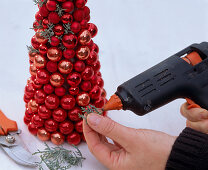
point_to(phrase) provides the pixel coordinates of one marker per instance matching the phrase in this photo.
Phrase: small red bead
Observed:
(66, 127)
(74, 138)
(37, 121)
(48, 88)
(42, 76)
(79, 66)
(54, 41)
(51, 125)
(95, 93)
(74, 79)
(44, 112)
(60, 91)
(93, 29)
(69, 53)
(78, 126)
(74, 91)
(68, 6)
(76, 27)
(52, 101)
(86, 86)
(68, 102)
(58, 30)
(67, 18)
(88, 73)
(32, 128)
(74, 114)
(51, 66)
(69, 41)
(40, 96)
(59, 115)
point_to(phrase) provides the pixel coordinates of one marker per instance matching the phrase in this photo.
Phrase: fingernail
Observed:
(94, 119)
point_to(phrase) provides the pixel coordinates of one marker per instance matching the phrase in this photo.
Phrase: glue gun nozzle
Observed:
(114, 103)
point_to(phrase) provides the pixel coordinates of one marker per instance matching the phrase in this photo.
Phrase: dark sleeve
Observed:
(189, 152)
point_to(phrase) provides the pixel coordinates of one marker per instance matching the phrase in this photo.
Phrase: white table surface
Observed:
(133, 36)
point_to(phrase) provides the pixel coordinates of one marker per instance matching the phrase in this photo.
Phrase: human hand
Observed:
(132, 149)
(197, 118)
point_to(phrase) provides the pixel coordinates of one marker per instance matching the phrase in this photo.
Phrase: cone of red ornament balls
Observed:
(65, 71)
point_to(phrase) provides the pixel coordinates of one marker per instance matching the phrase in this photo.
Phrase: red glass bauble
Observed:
(103, 93)
(74, 79)
(99, 103)
(92, 59)
(43, 135)
(65, 66)
(40, 96)
(80, 3)
(33, 106)
(67, 18)
(40, 61)
(69, 53)
(48, 88)
(32, 128)
(51, 5)
(58, 30)
(90, 44)
(37, 121)
(43, 49)
(45, 23)
(40, 39)
(57, 138)
(79, 66)
(61, 0)
(44, 112)
(69, 41)
(84, 37)
(83, 99)
(83, 24)
(99, 74)
(92, 28)
(68, 6)
(74, 114)
(43, 11)
(54, 54)
(83, 53)
(74, 138)
(88, 73)
(95, 48)
(68, 102)
(27, 98)
(96, 66)
(29, 90)
(95, 93)
(60, 91)
(28, 113)
(51, 125)
(33, 70)
(73, 90)
(78, 126)
(86, 86)
(57, 80)
(35, 43)
(53, 18)
(100, 82)
(42, 76)
(52, 101)
(35, 25)
(86, 11)
(32, 56)
(66, 127)
(78, 15)
(38, 16)
(26, 120)
(59, 115)
(55, 41)
(94, 79)
(52, 66)
(87, 18)
(37, 84)
(75, 27)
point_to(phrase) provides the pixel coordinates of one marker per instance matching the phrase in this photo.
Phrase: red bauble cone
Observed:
(65, 72)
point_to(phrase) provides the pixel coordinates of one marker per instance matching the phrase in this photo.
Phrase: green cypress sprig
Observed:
(90, 109)
(67, 28)
(58, 158)
(59, 10)
(32, 50)
(39, 2)
(48, 33)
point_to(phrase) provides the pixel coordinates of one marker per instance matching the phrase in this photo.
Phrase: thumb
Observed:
(109, 128)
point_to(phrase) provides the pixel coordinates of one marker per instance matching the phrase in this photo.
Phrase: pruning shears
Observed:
(12, 144)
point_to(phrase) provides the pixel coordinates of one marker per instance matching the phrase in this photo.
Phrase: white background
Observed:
(133, 36)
